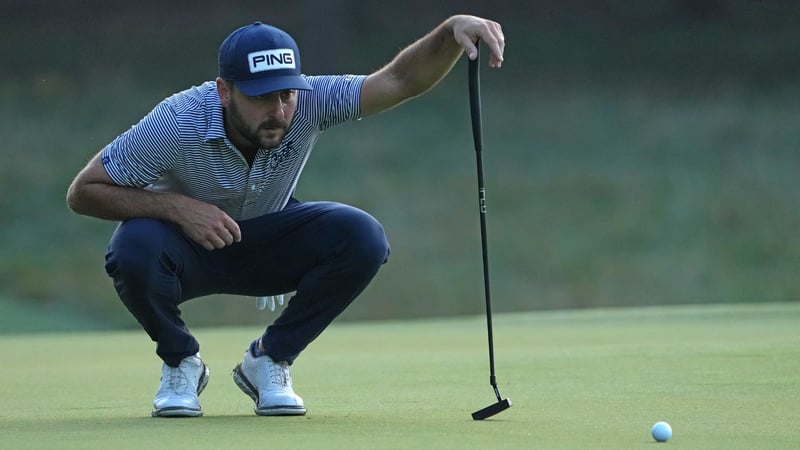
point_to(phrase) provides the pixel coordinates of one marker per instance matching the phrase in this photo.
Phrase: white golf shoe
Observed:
(180, 387)
(269, 384)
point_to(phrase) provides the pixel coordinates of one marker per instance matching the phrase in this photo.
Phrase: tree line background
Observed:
(637, 153)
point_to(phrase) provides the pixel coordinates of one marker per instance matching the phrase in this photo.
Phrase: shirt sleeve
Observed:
(144, 153)
(335, 98)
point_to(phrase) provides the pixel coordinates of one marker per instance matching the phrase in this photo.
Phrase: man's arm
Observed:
(424, 63)
(94, 193)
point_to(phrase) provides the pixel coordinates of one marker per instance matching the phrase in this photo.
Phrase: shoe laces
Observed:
(177, 379)
(280, 374)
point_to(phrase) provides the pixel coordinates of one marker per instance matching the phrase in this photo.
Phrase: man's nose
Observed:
(276, 109)
(275, 106)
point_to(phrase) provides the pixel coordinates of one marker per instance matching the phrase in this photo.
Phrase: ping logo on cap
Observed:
(264, 60)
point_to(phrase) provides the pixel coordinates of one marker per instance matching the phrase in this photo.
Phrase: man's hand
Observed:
(207, 225)
(467, 30)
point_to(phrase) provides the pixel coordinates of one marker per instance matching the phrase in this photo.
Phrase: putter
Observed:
(477, 135)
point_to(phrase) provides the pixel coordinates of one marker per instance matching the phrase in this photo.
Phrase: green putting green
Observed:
(724, 376)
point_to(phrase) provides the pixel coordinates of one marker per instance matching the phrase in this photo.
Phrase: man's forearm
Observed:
(202, 222)
(424, 63)
(111, 202)
(421, 65)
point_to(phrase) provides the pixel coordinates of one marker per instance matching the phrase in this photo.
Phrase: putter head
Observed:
(492, 409)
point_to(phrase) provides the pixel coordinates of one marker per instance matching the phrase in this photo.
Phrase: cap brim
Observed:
(261, 86)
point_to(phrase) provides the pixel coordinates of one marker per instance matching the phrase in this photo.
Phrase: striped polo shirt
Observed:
(181, 146)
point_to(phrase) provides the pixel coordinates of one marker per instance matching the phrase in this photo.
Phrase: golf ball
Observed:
(661, 431)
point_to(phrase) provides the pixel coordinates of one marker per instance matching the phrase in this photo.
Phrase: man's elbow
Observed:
(77, 198)
(73, 199)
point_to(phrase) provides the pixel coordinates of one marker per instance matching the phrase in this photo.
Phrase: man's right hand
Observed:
(207, 225)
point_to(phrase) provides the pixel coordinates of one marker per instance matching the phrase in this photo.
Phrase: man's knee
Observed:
(365, 236)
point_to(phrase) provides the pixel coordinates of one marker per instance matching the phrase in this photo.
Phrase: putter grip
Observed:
(475, 99)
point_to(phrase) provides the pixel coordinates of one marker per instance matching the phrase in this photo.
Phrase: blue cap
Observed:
(260, 59)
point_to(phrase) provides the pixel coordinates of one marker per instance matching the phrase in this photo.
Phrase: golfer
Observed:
(203, 189)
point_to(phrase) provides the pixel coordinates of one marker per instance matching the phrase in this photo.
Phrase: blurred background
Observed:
(636, 153)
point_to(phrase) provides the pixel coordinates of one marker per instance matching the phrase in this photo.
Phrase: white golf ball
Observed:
(661, 431)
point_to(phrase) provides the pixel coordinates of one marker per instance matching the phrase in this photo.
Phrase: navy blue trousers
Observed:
(326, 252)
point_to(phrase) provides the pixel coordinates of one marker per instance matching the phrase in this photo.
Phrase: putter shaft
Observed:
(477, 134)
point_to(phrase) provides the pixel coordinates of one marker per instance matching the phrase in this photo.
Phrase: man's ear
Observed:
(224, 91)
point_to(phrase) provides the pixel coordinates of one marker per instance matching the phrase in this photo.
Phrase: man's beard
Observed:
(251, 135)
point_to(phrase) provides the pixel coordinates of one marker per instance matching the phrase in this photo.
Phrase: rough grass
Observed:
(633, 156)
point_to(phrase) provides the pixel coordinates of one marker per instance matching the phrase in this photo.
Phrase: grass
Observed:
(724, 376)
(658, 200)
(16, 317)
